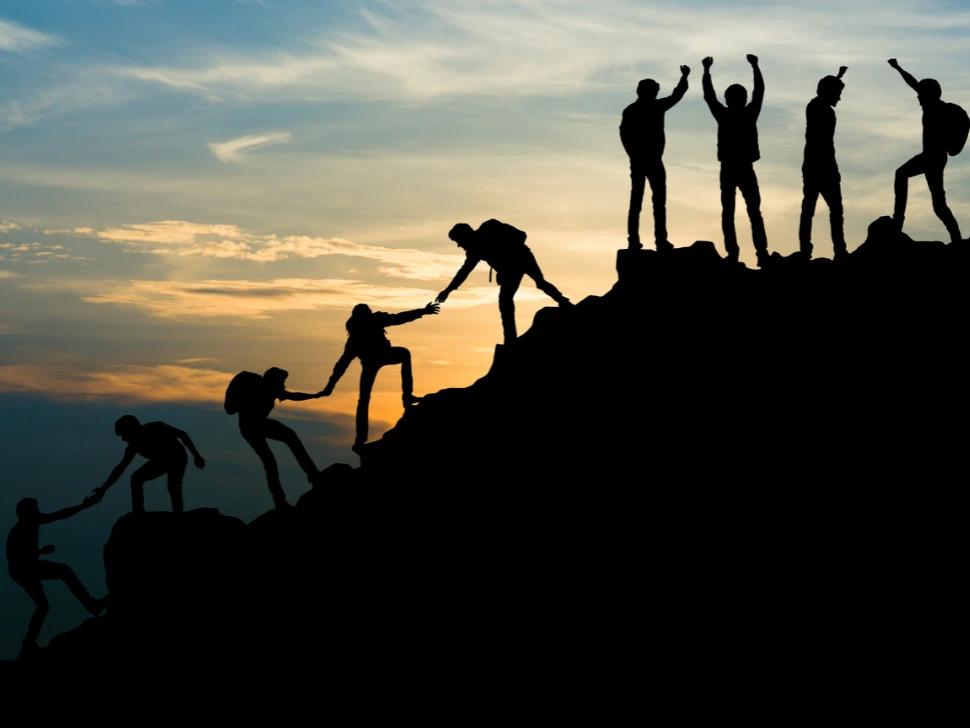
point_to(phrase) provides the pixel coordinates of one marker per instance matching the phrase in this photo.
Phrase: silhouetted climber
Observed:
(159, 444)
(503, 248)
(253, 397)
(945, 128)
(737, 151)
(642, 134)
(820, 172)
(29, 570)
(368, 341)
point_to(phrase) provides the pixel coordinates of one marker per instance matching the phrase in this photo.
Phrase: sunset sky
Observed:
(190, 188)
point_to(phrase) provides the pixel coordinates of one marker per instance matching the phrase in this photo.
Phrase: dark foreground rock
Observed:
(705, 463)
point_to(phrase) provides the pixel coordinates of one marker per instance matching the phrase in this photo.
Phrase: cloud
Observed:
(263, 299)
(232, 151)
(18, 39)
(6, 227)
(35, 253)
(196, 360)
(177, 237)
(71, 231)
(8, 273)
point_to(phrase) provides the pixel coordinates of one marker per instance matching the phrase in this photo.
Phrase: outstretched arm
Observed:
(61, 515)
(338, 370)
(467, 267)
(758, 95)
(299, 396)
(116, 473)
(908, 78)
(709, 96)
(199, 461)
(396, 319)
(679, 91)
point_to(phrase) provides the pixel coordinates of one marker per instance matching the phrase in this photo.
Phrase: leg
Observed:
(508, 285)
(368, 373)
(912, 168)
(275, 430)
(748, 183)
(254, 435)
(176, 474)
(400, 355)
(637, 184)
(934, 178)
(35, 591)
(63, 572)
(831, 191)
(810, 192)
(149, 471)
(728, 185)
(531, 269)
(657, 174)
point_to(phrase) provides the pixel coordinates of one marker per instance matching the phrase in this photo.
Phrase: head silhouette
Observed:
(275, 377)
(830, 89)
(358, 318)
(929, 91)
(27, 509)
(462, 234)
(126, 426)
(648, 89)
(736, 96)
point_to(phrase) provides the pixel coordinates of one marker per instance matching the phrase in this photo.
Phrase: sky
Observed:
(191, 188)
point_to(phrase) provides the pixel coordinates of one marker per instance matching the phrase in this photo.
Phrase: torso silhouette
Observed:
(642, 128)
(259, 402)
(935, 128)
(498, 244)
(819, 134)
(22, 547)
(737, 134)
(369, 338)
(156, 441)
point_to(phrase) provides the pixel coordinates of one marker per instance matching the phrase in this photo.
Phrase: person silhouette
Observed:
(643, 138)
(368, 341)
(737, 151)
(933, 158)
(820, 172)
(28, 570)
(503, 248)
(253, 401)
(159, 444)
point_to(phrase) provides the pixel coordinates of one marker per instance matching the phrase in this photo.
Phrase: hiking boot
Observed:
(99, 606)
(566, 303)
(27, 649)
(763, 260)
(664, 245)
(357, 447)
(634, 243)
(410, 399)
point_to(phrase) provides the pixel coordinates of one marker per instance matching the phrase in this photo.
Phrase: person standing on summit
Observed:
(820, 172)
(942, 122)
(642, 134)
(503, 248)
(737, 151)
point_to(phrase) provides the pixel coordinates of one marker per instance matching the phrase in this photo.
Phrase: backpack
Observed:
(243, 388)
(957, 129)
(504, 243)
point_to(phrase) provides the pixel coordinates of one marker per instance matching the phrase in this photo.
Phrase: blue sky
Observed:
(189, 189)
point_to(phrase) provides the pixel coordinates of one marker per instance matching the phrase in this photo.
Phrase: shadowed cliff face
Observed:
(703, 454)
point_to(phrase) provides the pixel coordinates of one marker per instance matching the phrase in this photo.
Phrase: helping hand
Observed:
(685, 70)
(325, 392)
(752, 59)
(431, 308)
(199, 462)
(44, 550)
(442, 297)
(707, 62)
(97, 494)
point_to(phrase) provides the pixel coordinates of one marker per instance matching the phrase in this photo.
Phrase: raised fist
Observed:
(685, 70)
(752, 59)
(894, 63)
(707, 62)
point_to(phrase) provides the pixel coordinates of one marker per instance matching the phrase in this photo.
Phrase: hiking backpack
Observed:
(505, 242)
(243, 388)
(957, 129)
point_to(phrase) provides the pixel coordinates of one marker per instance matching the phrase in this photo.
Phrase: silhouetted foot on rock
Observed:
(566, 303)
(764, 260)
(635, 244)
(27, 649)
(283, 505)
(99, 606)
(410, 399)
(664, 245)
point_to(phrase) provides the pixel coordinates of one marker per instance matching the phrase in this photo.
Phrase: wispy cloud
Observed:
(35, 253)
(70, 231)
(6, 227)
(263, 299)
(8, 274)
(233, 150)
(18, 39)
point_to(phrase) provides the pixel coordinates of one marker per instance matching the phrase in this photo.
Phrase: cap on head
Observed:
(830, 86)
(275, 374)
(648, 89)
(736, 96)
(27, 508)
(929, 90)
(126, 424)
(461, 232)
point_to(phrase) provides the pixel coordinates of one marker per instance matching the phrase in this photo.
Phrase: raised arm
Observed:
(908, 78)
(758, 95)
(467, 267)
(396, 319)
(679, 90)
(339, 368)
(116, 473)
(183, 436)
(709, 96)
